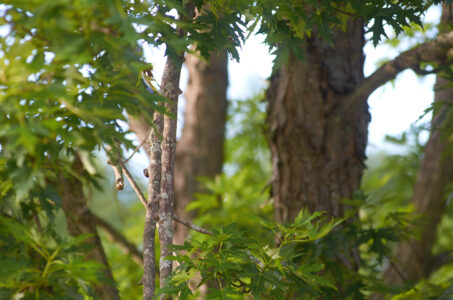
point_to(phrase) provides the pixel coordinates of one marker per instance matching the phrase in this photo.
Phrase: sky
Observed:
(393, 107)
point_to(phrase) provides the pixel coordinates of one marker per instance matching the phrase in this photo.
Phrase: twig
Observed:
(397, 271)
(191, 226)
(138, 147)
(116, 236)
(345, 12)
(134, 184)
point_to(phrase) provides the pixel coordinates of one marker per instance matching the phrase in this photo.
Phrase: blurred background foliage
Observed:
(66, 68)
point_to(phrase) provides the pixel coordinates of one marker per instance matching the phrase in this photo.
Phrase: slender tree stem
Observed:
(154, 173)
(161, 176)
(170, 89)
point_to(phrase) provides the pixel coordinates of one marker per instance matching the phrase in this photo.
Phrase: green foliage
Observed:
(122, 211)
(69, 74)
(286, 24)
(38, 264)
(390, 184)
(380, 216)
(239, 265)
(241, 190)
(69, 70)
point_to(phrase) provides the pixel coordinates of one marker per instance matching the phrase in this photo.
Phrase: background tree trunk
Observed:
(80, 221)
(199, 152)
(414, 259)
(317, 138)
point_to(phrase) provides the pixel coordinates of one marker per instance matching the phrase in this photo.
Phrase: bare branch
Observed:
(134, 184)
(435, 50)
(116, 236)
(138, 147)
(400, 274)
(191, 226)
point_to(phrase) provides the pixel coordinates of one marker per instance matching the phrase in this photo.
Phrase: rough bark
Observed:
(152, 206)
(414, 259)
(317, 139)
(170, 89)
(80, 221)
(199, 152)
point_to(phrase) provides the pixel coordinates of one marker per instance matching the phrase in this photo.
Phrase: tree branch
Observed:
(397, 270)
(170, 90)
(134, 184)
(138, 147)
(191, 226)
(433, 51)
(116, 236)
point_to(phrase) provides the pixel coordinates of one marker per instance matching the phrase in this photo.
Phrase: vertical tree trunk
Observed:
(199, 152)
(414, 259)
(170, 89)
(317, 138)
(80, 221)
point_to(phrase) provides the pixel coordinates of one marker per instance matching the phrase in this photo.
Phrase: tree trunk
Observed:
(317, 138)
(80, 221)
(414, 259)
(199, 152)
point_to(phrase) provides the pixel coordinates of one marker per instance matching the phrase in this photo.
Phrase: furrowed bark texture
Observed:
(80, 221)
(154, 183)
(414, 258)
(317, 140)
(199, 151)
(170, 89)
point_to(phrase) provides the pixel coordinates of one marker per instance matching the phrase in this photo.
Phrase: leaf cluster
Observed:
(237, 265)
(38, 264)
